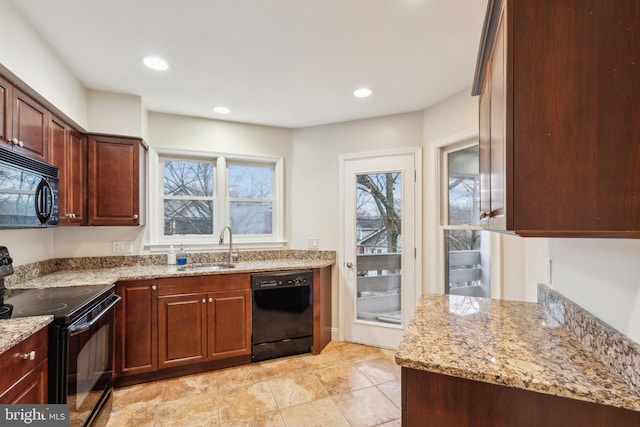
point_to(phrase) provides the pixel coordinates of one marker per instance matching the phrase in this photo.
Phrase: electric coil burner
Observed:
(80, 341)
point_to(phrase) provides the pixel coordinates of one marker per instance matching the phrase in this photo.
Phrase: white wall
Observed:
(115, 113)
(314, 175)
(27, 56)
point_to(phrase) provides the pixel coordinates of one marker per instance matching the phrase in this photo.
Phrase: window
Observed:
(466, 245)
(198, 194)
(251, 199)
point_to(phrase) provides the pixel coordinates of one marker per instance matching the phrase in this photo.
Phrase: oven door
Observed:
(89, 378)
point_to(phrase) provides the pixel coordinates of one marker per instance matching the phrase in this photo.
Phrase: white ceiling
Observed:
(289, 63)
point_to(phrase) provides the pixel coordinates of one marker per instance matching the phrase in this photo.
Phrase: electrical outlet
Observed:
(122, 247)
(313, 243)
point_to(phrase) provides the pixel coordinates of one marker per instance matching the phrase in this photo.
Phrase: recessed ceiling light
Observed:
(221, 110)
(363, 92)
(155, 63)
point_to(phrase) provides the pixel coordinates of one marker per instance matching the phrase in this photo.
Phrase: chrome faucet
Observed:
(231, 254)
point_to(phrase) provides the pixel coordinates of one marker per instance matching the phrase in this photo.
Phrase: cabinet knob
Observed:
(485, 214)
(204, 300)
(20, 143)
(210, 299)
(135, 217)
(14, 141)
(154, 287)
(28, 356)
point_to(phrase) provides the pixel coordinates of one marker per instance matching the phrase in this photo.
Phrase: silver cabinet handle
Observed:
(135, 217)
(349, 264)
(154, 287)
(204, 300)
(28, 356)
(20, 143)
(210, 299)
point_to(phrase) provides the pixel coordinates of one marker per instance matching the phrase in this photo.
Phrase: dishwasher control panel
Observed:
(278, 279)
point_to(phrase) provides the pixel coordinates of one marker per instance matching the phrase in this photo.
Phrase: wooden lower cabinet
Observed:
(204, 326)
(431, 399)
(137, 327)
(174, 326)
(25, 378)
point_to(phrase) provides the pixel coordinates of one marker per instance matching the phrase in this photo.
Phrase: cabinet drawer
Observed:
(15, 366)
(213, 283)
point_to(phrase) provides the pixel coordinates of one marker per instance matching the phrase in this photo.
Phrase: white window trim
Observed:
(154, 236)
(434, 251)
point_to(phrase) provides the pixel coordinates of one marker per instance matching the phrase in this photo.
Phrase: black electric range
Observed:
(66, 304)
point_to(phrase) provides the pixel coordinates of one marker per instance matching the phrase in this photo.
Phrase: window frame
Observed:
(443, 222)
(155, 239)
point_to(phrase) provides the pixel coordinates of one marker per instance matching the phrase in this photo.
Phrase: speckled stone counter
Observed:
(104, 276)
(13, 331)
(510, 343)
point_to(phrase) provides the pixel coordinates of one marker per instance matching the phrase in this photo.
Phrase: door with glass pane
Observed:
(379, 268)
(466, 245)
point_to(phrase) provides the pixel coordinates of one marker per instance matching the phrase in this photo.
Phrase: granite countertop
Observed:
(510, 343)
(105, 276)
(13, 331)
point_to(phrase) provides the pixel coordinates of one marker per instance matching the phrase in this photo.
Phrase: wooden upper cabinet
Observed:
(30, 126)
(68, 152)
(114, 180)
(559, 108)
(6, 97)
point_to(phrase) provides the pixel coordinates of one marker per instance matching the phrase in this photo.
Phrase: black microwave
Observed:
(28, 191)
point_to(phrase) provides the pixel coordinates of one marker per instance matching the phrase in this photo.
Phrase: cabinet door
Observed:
(114, 181)
(484, 152)
(6, 96)
(58, 135)
(182, 329)
(229, 324)
(137, 327)
(76, 178)
(30, 389)
(30, 124)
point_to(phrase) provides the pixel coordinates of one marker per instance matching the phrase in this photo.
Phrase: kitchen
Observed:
(598, 274)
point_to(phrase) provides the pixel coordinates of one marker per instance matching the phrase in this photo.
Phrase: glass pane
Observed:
(188, 217)
(463, 196)
(184, 178)
(467, 264)
(251, 217)
(379, 247)
(250, 182)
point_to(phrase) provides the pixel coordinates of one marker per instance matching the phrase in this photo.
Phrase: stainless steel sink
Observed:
(206, 267)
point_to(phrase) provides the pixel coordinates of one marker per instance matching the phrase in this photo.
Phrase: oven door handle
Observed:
(85, 326)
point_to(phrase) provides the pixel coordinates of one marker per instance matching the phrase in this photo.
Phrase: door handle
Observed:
(349, 264)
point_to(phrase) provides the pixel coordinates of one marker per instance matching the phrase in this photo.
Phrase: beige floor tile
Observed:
(393, 391)
(191, 385)
(239, 376)
(381, 370)
(140, 416)
(389, 353)
(357, 352)
(194, 411)
(394, 423)
(137, 395)
(245, 401)
(326, 359)
(319, 413)
(295, 389)
(285, 366)
(342, 379)
(267, 419)
(367, 407)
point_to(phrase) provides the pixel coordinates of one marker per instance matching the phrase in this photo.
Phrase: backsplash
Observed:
(613, 348)
(40, 268)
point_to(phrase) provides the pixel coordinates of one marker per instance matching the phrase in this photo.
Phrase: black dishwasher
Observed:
(282, 317)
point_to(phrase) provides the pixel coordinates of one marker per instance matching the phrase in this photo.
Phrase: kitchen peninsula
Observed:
(484, 362)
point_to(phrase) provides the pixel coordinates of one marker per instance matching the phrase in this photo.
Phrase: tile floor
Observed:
(346, 385)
